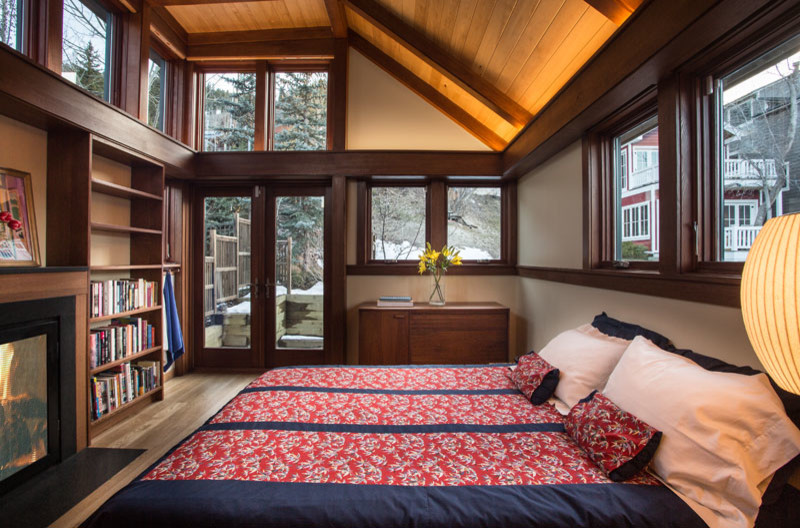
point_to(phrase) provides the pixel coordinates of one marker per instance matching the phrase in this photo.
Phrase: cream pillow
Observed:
(585, 356)
(724, 434)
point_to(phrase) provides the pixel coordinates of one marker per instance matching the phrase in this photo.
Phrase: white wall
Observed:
(550, 227)
(28, 153)
(384, 114)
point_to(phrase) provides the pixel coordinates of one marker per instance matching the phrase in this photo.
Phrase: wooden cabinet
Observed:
(456, 333)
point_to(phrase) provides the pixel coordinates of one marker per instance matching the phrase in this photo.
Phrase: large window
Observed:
(301, 111)
(86, 46)
(12, 23)
(759, 151)
(636, 192)
(229, 110)
(156, 90)
(474, 220)
(398, 222)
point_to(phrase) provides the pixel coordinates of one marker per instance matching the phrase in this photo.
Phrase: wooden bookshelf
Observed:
(135, 252)
(131, 357)
(129, 313)
(123, 411)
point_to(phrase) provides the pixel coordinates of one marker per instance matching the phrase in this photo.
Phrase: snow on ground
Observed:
(300, 338)
(317, 289)
(244, 307)
(241, 308)
(393, 250)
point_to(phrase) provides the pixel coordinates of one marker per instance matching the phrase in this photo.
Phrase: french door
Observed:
(265, 272)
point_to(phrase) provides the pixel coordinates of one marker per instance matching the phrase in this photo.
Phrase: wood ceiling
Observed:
(490, 65)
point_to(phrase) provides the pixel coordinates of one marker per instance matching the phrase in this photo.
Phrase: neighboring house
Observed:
(743, 174)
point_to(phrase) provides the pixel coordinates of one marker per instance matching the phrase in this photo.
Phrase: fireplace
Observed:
(37, 387)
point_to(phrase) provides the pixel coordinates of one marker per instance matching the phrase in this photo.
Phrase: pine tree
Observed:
(301, 217)
(238, 106)
(301, 111)
(88, 70)
(154, 94)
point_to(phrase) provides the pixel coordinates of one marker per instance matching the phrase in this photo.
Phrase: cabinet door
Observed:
(383, 337)
(458, 338)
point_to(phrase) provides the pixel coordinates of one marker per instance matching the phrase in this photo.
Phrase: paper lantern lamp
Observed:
(770, 300)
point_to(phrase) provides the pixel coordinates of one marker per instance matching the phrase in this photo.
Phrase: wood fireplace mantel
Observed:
(43, 283)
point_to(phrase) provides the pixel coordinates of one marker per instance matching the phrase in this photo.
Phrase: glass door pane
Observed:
(226, 272)
(299, 267)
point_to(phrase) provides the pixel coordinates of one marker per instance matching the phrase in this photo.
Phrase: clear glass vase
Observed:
(437, 289)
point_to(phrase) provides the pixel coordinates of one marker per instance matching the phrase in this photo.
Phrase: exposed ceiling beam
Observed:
(428, 92)
(260, 35)
(338, 18)
(616, 11)
(439, 59)
(168, 31)
(275, 50)
(198, 2)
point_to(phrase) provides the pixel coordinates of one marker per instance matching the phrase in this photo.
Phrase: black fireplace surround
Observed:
(54, 317)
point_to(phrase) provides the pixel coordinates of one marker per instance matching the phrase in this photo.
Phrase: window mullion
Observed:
(437, 214)
(260, 142)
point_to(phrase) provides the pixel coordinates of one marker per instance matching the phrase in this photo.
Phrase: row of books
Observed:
(122, 384)
(123, 337)
(395, 301)
(122, 295)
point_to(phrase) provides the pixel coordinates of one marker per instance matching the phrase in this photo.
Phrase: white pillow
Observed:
(724, 434)
(585, 356)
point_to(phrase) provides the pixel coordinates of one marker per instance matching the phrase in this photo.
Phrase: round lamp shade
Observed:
(770, 300)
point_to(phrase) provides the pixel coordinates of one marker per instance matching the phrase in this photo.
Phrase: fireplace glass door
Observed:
(28, 399)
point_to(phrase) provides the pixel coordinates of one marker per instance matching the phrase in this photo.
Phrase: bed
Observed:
(432, 446)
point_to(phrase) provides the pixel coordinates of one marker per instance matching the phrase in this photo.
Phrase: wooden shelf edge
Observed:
(121, 191)
(124, 229)
(107, 419)
(137, 355)
(124, 314)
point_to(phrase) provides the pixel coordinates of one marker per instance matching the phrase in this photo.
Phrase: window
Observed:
(12, 23)
(758, 147)
(636, 193)
(398, 222)
(229, 109)
(156, 90)
(474, 222)
(86, 46)
(301, 111)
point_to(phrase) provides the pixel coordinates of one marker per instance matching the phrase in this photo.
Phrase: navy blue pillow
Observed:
(628, 331)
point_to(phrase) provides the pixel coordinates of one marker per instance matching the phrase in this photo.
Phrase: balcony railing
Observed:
(749, 173)
(740, 238)
(643, 177)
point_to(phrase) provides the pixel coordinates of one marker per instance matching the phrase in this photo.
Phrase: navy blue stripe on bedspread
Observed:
(201, 504)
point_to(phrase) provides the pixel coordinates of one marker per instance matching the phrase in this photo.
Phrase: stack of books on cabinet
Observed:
(125, 323)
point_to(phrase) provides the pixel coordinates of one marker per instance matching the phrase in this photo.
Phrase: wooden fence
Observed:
(227, 270)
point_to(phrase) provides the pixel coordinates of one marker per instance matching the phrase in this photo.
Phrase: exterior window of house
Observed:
(474, 220)
(636, 192)
(156, 88)
(87, 46)
(12, 23)
(229, 108)
(301, 111)
(759, 147)
(398, 222)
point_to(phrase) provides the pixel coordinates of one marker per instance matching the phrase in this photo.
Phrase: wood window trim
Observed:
(265, 71)
(436, 230)
(598, 188)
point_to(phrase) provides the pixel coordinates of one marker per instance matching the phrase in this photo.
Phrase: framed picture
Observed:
(19, 245)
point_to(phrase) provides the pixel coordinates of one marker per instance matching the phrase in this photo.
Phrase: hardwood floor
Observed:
(191, 400)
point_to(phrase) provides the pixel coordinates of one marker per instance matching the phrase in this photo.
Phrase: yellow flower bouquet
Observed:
(437, 262)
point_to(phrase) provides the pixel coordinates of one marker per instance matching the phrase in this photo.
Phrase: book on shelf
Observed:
(119, 339)
(395, 301)
(122, 384)
(123, 295)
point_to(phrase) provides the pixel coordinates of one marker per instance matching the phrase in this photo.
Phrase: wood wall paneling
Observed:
(425, 49)
(337, 97)
(236, 16)
(352, 163)
(69, 169)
